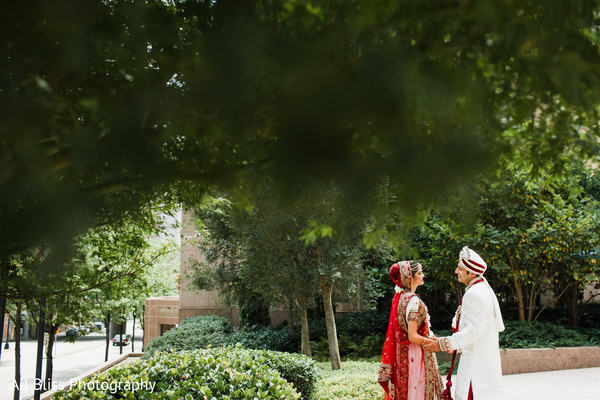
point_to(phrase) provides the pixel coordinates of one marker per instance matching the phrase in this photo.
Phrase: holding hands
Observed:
(433, 346)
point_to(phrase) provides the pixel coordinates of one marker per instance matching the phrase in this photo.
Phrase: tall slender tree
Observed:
(263, 246)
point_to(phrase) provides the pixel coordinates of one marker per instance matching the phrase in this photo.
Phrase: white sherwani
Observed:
(477, 339)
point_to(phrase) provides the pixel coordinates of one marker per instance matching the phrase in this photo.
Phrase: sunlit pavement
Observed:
(69, 360)
(568, 384)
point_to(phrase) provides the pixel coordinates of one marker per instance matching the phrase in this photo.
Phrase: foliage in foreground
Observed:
(225, 373)
(207, 331)
(356, 381)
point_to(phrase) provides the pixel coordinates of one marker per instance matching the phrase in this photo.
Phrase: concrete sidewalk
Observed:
(568, 384)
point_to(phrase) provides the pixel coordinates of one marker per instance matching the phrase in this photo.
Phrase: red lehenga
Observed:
(407, 372)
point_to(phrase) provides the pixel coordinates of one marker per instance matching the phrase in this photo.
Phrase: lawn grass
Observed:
(357, 380)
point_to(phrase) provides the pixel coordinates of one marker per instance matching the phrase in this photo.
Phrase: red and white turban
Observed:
(471, 261)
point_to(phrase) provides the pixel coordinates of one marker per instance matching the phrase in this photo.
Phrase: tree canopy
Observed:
(255, 255)
(537, 239)
(108, 105)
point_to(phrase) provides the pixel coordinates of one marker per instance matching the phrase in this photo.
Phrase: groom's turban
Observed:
(471, 261)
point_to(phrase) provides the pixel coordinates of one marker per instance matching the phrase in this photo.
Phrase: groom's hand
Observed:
(433, 346)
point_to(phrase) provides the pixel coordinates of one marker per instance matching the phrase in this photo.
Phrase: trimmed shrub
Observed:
(589, 316)
(360, 335)
(208, 330)
(527, 335)
(268, 338)
(225, 373)
(297, 369)
(211, 331)
(362, 323)
(193, 333)
(358, 347)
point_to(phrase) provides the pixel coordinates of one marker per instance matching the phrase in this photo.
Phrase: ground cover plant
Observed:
(528, 335)
(356, 381)
(230, 373)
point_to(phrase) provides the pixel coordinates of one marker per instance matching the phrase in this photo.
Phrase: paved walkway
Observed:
(568, 384)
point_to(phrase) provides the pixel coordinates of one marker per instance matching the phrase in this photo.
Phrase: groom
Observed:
(475, 326)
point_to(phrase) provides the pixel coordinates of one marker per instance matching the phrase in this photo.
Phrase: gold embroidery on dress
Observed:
(435, 385)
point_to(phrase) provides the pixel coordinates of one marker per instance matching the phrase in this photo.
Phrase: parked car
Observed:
(116, 341)
(99, 325)
(85, 329)
(78, 331)
(73, 331)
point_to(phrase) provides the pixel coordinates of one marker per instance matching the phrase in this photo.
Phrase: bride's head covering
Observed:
(402, 273)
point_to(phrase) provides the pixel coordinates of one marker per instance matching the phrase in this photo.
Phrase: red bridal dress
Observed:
(407, 372)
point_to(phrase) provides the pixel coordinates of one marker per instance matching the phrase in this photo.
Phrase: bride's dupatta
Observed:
(389, 370)
(394, 367)
(388, 378)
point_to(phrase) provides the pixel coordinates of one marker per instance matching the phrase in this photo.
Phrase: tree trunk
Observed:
(334, 350)
(133, 333)
(17, 390)
(514, 267)
(2, 309)
(143, 323)
(121, 338)
(49, 359)
(107, 329)
(304, 332)
(531, 304)
(40, 349)
(571, 302)
(291, 315)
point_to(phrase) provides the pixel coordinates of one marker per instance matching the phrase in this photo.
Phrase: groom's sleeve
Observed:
(472, 321)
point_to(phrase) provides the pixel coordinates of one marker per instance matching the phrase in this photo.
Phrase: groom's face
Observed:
(463, 275)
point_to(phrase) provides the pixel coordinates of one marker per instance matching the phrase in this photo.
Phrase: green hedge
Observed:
(225, 373)
(213, 331)
(527, 335)
(360, 324)
(210, 330)
(193, 333)
(297, 369)
(269, 338)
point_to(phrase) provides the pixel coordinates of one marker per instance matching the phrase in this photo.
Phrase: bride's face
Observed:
(418, 278)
